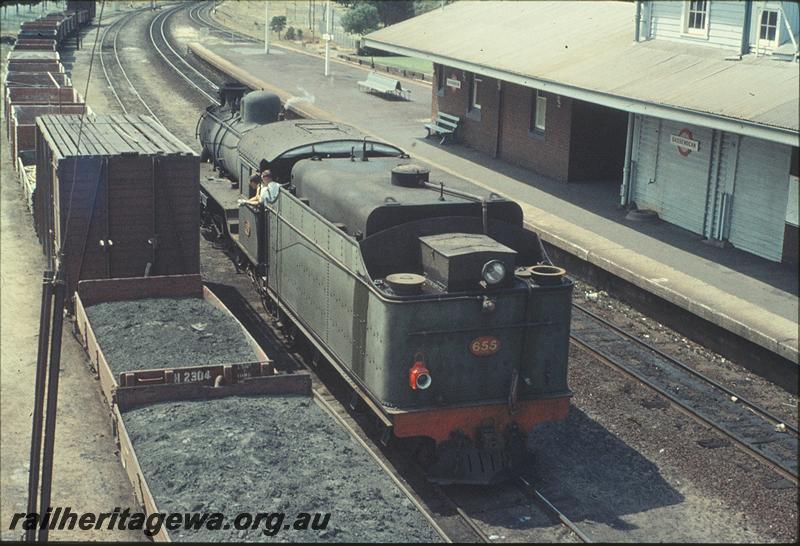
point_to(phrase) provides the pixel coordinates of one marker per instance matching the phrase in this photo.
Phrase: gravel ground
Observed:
(167, 332)
(722, 370)
(279, 454)
(628, 468)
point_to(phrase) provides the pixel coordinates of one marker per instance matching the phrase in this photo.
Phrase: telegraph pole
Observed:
(327, 36)
(266, 27)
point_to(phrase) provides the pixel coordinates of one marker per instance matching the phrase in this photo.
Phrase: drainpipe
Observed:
(624, 191)
(638, 20)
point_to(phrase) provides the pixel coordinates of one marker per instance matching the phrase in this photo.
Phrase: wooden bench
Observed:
(384, 84)
(444, 125)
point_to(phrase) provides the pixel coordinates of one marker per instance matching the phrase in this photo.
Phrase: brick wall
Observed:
(547, 154)
(476, 129)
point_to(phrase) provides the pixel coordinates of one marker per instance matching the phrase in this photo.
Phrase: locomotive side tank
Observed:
(428, 294)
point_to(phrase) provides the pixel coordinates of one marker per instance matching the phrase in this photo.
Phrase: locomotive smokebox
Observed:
(261, 107)
(410, 175)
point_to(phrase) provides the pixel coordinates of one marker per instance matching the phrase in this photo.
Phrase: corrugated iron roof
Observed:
(588, 46)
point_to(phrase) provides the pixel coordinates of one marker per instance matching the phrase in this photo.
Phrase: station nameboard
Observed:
(455, 84)
(685, 143)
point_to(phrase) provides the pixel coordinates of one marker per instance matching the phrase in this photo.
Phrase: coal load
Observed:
(269, 455)
(167, 333)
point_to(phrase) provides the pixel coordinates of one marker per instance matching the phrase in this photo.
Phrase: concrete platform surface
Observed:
(739, 292)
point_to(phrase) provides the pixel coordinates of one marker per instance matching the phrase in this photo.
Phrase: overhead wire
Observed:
(78, 143)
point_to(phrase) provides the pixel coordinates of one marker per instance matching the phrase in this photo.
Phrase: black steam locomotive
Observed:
(426, 293)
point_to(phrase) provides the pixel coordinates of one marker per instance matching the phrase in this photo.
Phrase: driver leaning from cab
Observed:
(267, 191)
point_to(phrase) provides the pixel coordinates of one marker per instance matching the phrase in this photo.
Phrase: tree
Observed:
(277, 24)
(389, 12)
(394, 11)
(424, 6)
(361, 19)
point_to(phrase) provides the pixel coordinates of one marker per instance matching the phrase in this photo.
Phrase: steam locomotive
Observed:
(426, 294)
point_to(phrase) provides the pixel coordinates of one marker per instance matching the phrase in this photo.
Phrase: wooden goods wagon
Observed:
(22, 126)
(38, 79)
(45, 28)
(37, 95)
(67, 21)
(131, 390)
(182, 380)
(89, 6)
(35, 44)
(32, 56)
(117, 196)
(24, 66)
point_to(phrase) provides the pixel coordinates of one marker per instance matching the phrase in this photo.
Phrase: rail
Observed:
(156, 32)
(750, 427)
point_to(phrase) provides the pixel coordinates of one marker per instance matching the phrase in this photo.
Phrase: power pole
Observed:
(266, 27)
(327, 36)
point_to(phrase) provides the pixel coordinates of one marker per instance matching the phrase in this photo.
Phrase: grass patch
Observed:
(406, 63)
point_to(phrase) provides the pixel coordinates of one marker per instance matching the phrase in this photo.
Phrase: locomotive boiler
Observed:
(425, 292)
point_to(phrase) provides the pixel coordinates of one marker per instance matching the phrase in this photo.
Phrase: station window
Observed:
(475, 94)
(696, 17)
(440, 79)
(538, 112)
(768, 28)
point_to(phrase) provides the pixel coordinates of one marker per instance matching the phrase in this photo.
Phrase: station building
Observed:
(688, 109)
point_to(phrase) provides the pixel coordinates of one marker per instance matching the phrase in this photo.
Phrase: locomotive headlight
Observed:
(494, 271)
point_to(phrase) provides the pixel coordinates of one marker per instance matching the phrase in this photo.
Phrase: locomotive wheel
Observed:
(291, 334)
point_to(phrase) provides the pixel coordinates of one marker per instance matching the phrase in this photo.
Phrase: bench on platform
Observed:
(444, 125)
(384, 84)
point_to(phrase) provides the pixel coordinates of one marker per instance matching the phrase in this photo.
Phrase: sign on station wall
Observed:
(685, 142)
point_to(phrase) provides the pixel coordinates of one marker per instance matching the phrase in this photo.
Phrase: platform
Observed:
(741, 293)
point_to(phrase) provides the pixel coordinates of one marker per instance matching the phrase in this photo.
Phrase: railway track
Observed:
(123, 89)
(120, 85)
(519, 495)
(200, 14)
(196, 80)
(749, 426)
(454, 510)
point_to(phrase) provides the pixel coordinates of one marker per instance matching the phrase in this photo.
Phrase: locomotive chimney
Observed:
(231, 93)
